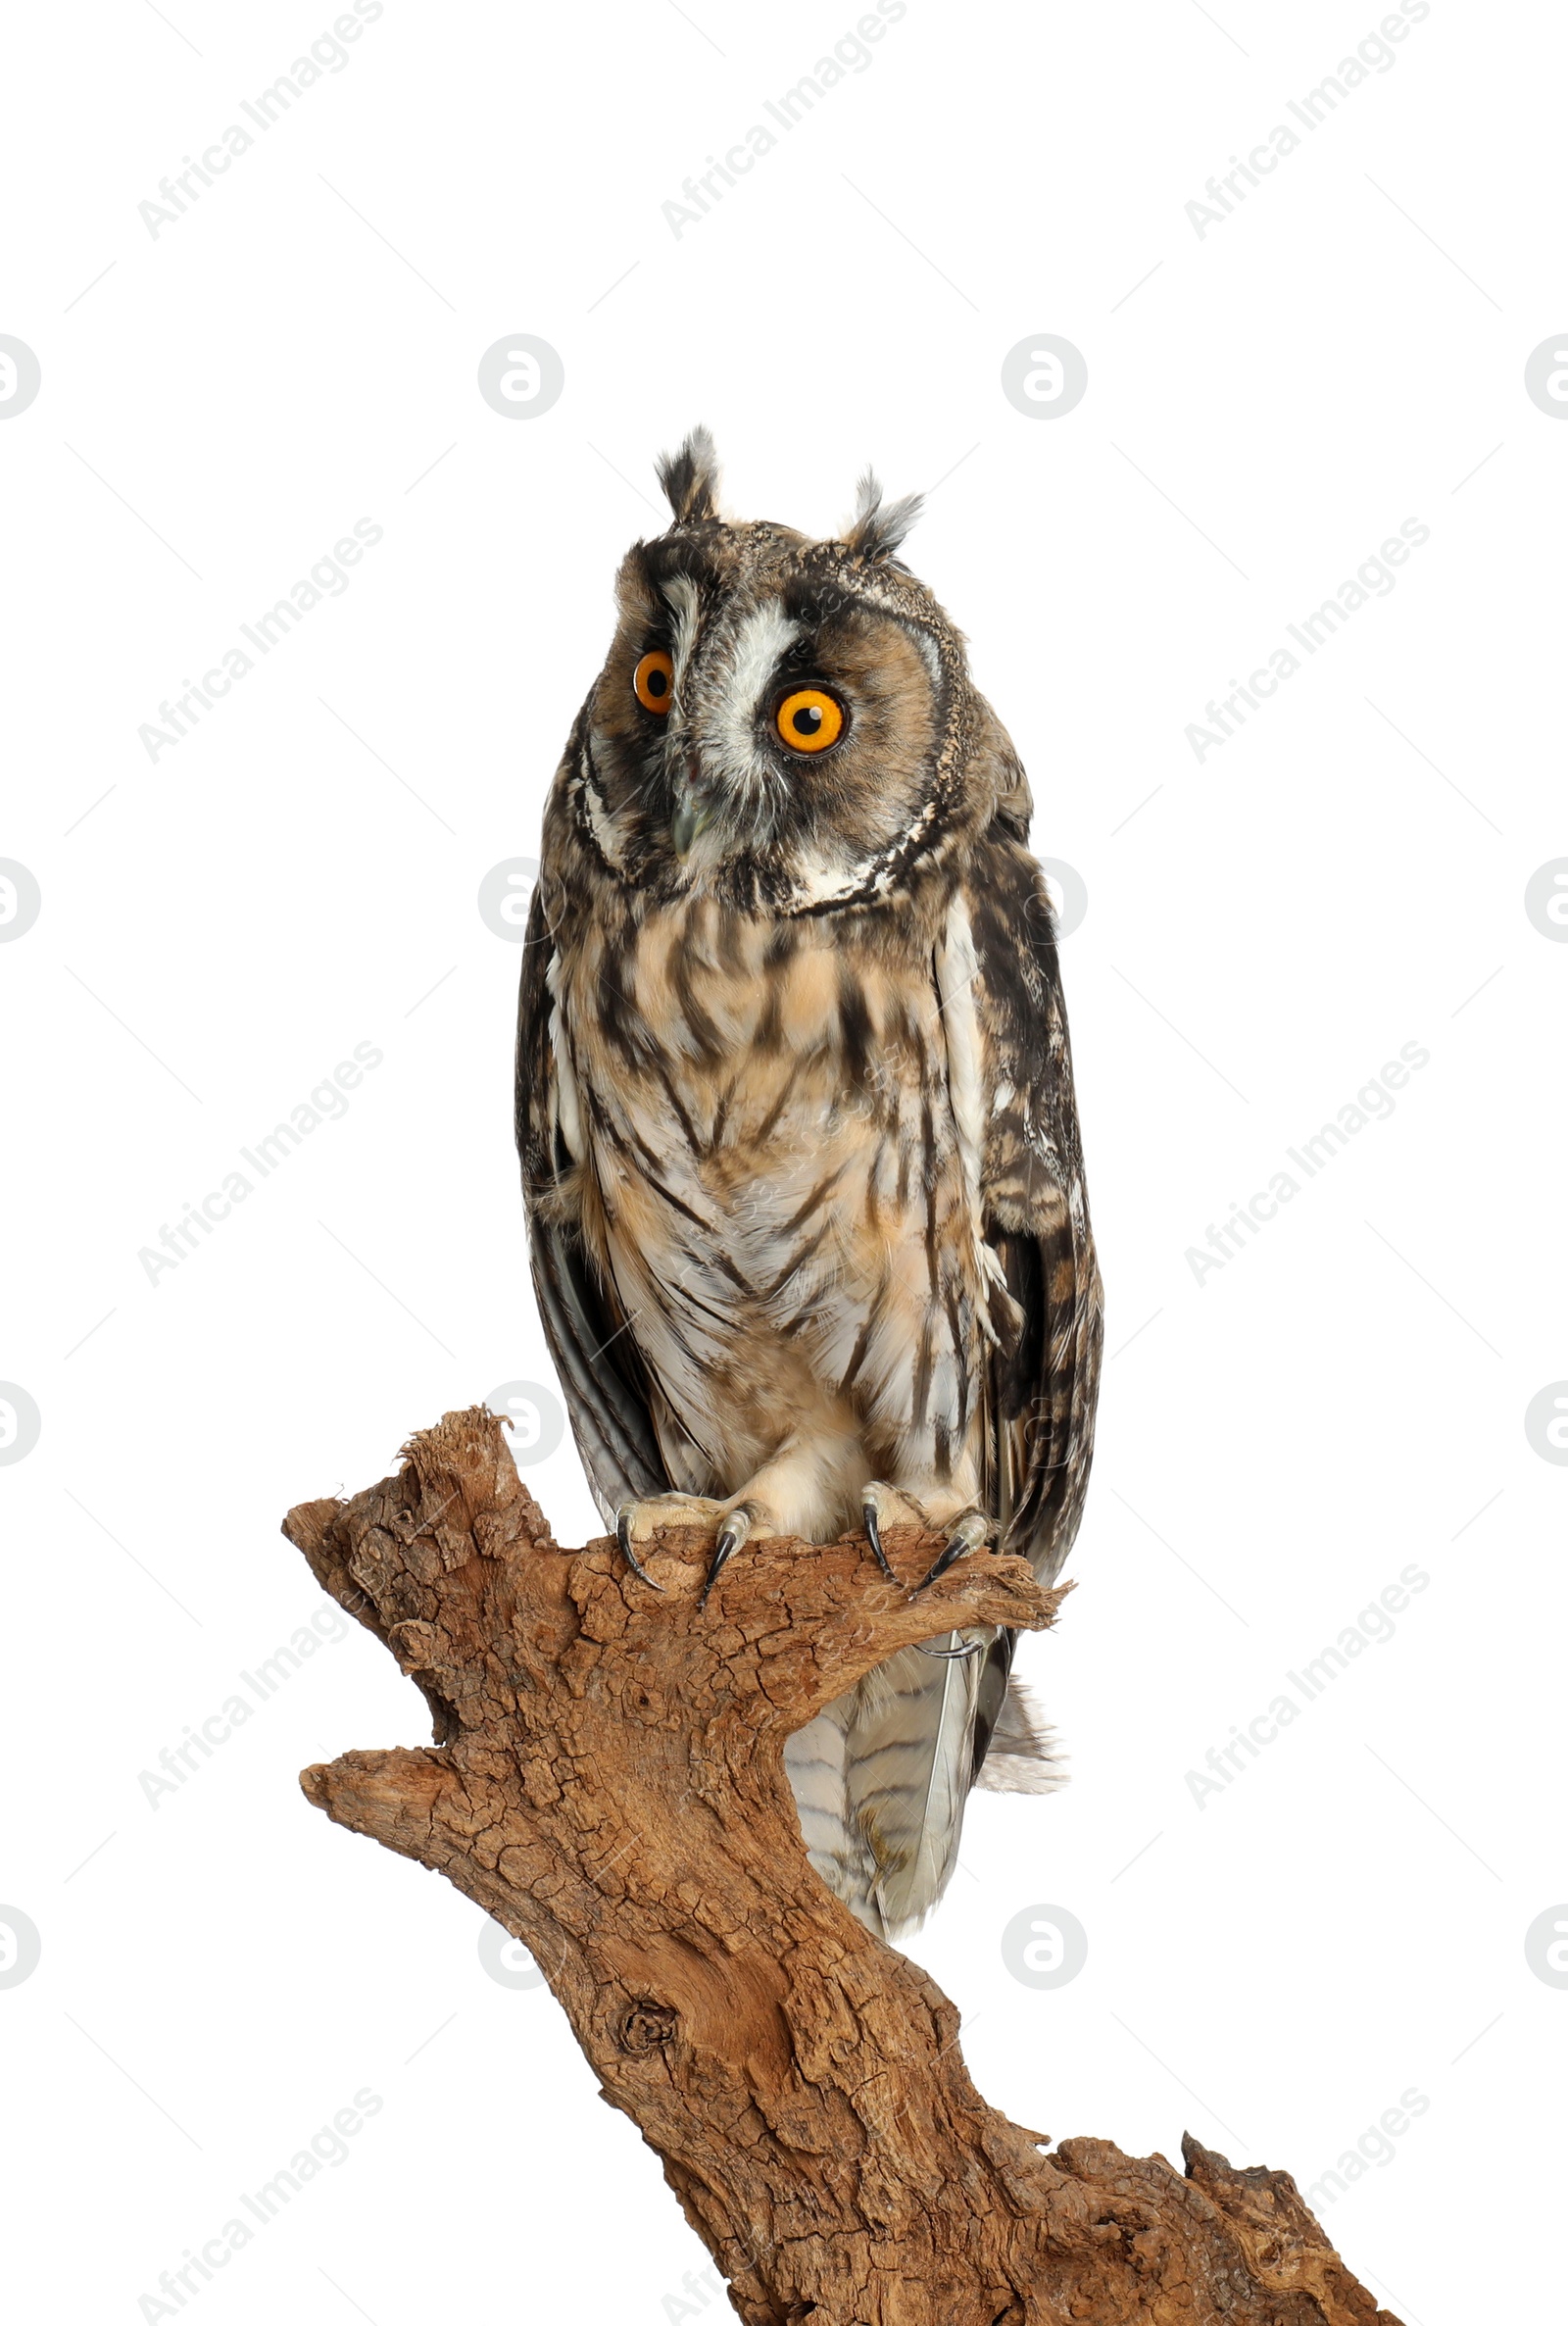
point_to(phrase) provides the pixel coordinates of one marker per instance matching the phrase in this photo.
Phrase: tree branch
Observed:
(608, 1781)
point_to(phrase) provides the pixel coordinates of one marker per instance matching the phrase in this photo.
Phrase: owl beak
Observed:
(693, 815)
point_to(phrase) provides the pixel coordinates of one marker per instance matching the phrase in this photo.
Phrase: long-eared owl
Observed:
(800, 1145)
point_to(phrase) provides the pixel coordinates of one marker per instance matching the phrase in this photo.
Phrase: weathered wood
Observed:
(608, 1781)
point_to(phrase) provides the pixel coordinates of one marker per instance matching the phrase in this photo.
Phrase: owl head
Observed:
(787, 723)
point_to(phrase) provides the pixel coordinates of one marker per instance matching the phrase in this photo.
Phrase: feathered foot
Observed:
(968, 1534)
(733, 1524)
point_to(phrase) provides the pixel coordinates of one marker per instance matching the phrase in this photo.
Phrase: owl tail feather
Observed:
(911, 1760)
(1024, 1755)
(881, 1776)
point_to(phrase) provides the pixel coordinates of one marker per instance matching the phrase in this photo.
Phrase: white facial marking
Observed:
(926, 647)
(764, 638)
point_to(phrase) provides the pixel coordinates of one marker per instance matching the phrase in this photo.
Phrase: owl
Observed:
(800, 1147)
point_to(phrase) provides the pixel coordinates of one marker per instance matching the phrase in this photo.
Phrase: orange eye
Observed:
(809, 720)
(652, 682)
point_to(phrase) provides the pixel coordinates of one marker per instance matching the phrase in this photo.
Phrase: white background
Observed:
(1267, 403)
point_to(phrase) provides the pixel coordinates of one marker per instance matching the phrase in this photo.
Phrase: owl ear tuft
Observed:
(876, 532)
(690, 478)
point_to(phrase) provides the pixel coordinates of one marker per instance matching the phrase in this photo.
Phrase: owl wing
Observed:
(597, 1359)
(921, 1731)
(1043, 1379)
(1035, 1218)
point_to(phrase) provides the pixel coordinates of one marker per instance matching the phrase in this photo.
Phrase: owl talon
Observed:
(731, 1535)
(624, 1518)
(871, 1520)
(969, 1535)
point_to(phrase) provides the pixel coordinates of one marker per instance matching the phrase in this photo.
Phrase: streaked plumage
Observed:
(794, 1106)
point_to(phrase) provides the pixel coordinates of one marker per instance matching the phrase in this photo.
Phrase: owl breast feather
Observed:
(774, 1182)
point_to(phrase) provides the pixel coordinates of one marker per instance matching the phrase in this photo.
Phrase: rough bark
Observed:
(607, 1780)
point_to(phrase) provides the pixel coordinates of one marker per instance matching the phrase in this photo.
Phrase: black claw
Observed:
(623, 1538)
(873, 1535)
(953, 1551)
(956, 1545)
(727, 1542)
(951, 1655)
